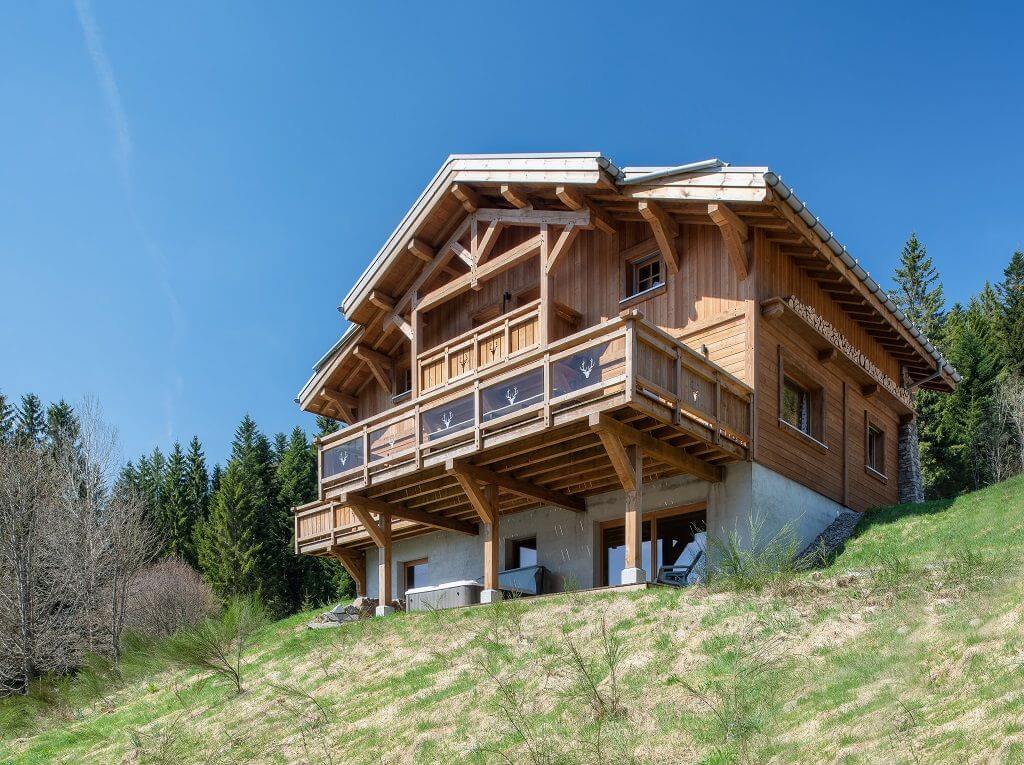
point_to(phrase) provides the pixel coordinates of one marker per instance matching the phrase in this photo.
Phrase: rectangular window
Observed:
(801, 400)
(796, 406)
(874, 448)
(403, 380)
(673, 530)
(522, 552)
(415, 574)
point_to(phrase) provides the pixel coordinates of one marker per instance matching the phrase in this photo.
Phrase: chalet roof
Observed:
(592, 169)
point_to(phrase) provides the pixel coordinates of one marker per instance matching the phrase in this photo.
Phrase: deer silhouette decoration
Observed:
(343, 458)
(586, 367)
(447, 418)
(511, 394)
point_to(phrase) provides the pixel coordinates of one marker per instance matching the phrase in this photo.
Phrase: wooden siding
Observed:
(831, 469)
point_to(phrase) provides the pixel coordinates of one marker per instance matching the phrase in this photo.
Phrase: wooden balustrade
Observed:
(625, 355)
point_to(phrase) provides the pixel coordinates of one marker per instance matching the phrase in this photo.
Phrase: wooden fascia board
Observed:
(516, 486)
(659, 450)
(858, 286)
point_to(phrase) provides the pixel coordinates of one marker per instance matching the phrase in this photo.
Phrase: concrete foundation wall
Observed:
(567, 542)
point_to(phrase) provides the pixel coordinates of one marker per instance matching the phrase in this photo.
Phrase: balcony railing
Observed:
(532, 383)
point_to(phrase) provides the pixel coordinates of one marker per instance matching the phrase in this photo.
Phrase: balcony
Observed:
(496, 395)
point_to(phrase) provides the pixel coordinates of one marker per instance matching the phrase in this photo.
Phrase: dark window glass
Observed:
(796, 406)
(674, 533)
(415, 575)
(524, 553)
(646, 274)
(876, 449)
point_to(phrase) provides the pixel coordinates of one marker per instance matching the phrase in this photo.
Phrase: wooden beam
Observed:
(516, 196)
(634, 523)
(477, 497)
(486, 241)
(382, 300)
(492, 541)
(471, 201)
(535, 217)
(400, 322)
(354, 562)
(379, 364)
(371, 504)
(665, 232)
(377, 533)
(346, 404)
(574, 200)
(496, 265)
(619, 458)
(736, 236)
(659, 450)
(421, 250)
(514, 485)
(561, 247)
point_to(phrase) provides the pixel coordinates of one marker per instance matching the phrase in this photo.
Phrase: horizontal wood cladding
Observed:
(778, 275)
(837, 470)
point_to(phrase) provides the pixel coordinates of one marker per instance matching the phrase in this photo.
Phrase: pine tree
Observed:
(61, 423)
(150, 471)
(1011, 324)
(243, 545)
(30, 421)
(965, 416)
(197, 496)
(313, 580)
(175, 523)
(325, 425)
(6, 419)
(215, 476)
(280, 447)
(918, 289)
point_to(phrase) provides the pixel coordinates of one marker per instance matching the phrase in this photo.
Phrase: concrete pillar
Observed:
(634, 572)
(384, 568)
(909, 482)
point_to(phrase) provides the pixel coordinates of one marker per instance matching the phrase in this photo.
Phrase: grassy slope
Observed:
(909, 648)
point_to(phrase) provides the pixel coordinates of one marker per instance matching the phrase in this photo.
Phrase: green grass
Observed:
(909, 648)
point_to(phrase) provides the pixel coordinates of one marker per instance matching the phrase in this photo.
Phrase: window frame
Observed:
(512, 547)
(406, 565)
(630, 278)
(697, 509)
(871, 424)
(795, 373)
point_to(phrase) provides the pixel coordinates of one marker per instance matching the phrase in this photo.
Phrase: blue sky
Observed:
(188, 189)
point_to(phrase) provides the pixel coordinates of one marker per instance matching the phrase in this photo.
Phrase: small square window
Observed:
(874, 448)
(646, 274)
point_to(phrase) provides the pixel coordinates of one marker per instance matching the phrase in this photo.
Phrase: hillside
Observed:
(908, 648)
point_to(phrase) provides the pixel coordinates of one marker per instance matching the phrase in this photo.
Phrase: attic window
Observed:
(643, 277)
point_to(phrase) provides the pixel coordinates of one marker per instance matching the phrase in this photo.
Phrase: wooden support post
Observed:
(416, 321)
(355, 564)
(384, 593)
(634, 572)
(545, 287)
(492, 590)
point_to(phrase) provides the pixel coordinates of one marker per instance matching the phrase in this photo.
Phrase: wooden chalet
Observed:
(554, 361)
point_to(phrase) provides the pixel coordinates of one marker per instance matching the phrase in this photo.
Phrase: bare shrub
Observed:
(218, 645)
(166, 596)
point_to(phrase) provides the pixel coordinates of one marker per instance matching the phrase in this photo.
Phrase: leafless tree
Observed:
(168, 595)
(996, 442)
(35, 626)
(1010, 400)
(70, 551)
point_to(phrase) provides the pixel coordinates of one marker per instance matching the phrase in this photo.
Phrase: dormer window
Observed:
(646, 274)
(643, 276)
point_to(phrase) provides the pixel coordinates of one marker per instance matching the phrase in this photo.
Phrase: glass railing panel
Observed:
(587, 367)
(343, 457)
(448, 418)
(512, 395)
(394, 438)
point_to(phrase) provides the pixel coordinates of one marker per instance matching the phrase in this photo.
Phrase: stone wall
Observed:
(911, 487)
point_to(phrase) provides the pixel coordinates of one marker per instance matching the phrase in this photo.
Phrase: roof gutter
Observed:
(704, 164)
(789, 197)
